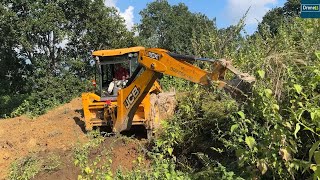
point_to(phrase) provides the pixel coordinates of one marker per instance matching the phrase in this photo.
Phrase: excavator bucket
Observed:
(240, 84)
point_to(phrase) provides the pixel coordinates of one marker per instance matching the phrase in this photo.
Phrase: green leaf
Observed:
(240, 152)
(315, 115)
(317, 157)
(298, 88)
(88, 170)
(268, 92)
(241, 114)
(276, 107)
(108, 177)
(317, 174)
(251, 142)
(313, 148)
(217, 149)
(296, 130)
(262, 166)
(76, 162)
(312, 114)
(318, 54)
(261, 73)
(170, 150)
(233, 127)
(240, 139)
(139, 159)
(313, 167)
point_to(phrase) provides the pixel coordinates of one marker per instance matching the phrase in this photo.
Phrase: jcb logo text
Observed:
(131, 97)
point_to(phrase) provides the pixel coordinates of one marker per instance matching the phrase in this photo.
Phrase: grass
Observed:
(25, 168)
(28, 167)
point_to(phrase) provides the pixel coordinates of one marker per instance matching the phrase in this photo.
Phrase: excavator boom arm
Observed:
(164, 63)
(158, 61)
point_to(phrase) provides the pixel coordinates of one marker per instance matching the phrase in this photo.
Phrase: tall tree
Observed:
(171, 27)
(292, 8)
(49, 33)
(13, 71)
(46, 46)
(272, 20)
(278, 16)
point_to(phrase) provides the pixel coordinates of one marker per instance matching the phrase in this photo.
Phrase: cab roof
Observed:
(117, 52)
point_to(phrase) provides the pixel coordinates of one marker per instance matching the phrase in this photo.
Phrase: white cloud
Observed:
(127, 15)
(110, 3)
(258, 8)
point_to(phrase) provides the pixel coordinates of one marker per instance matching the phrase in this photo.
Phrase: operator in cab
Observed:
(120, 71)
(120, 80)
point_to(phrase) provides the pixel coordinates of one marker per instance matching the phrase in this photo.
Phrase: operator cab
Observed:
(113, 70)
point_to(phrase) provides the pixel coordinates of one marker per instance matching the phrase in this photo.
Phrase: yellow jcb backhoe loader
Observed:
(127, 78)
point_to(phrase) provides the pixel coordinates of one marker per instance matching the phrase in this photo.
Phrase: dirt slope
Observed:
(56, 130)
(123, 153)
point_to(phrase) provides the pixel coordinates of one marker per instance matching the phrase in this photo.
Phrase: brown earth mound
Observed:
(57, 130)
(123, 153)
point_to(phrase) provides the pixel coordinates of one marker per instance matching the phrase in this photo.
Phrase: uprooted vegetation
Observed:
(274, 133)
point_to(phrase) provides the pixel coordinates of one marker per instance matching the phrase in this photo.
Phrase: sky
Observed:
(226, 12)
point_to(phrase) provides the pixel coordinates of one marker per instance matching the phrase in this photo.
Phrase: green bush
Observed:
(9, 103)
(275, 132)
(50, 92)
(28, 167)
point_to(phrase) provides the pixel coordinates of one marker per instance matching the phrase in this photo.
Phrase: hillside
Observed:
(53, 51)
(55, 134)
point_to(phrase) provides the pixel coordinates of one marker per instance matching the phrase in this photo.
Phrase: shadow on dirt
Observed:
(80, 111)
(138, 132)
(80, 123)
